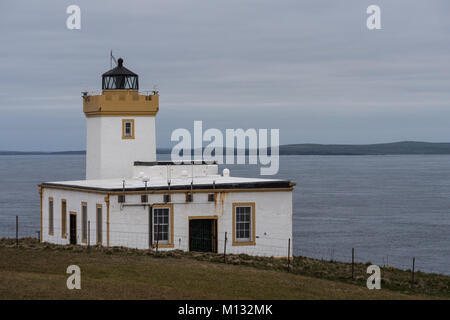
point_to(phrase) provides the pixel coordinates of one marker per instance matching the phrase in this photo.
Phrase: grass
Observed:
(38, 271)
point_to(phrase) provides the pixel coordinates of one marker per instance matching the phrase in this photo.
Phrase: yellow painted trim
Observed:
(53, 209)
(121, 114)
(124, 137)
(84, 240)
(121, 103)
(64, 219)
(41, 191)
(96, 217)
(165, 245)
(171, 244)
(202, 217)
(172, 191)
(107, 220)
(253, 231)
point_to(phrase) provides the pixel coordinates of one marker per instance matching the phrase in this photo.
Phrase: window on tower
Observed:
(128, 129)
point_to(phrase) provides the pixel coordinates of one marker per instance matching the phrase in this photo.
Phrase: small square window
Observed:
(128, 129)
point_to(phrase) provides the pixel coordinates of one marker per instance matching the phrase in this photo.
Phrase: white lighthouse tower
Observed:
(120, 126)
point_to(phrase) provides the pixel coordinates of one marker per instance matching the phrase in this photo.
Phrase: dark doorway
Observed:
(203, 235)
(73, 229)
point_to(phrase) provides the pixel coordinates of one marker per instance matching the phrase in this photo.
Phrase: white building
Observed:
(129, 199)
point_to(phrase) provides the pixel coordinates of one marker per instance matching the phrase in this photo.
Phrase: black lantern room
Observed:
(120, 78)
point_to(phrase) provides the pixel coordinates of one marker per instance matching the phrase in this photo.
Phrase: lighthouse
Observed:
(120, 125)
(129, 199)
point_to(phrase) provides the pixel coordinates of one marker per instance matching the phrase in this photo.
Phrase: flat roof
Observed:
(172, 163)
(208, 182)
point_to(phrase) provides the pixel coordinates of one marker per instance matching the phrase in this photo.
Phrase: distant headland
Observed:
(393, 148)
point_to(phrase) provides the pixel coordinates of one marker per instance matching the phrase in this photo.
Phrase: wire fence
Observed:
(136, 236)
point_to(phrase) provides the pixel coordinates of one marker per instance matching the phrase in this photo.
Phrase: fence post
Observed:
(353, 263)
(289, 254)
(412, 273)
(17, 231)
(225, 249)
(89, 234)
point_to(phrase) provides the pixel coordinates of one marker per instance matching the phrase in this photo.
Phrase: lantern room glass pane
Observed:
(120, 82)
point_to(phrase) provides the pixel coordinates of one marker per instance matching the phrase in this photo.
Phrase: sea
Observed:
(390, 209)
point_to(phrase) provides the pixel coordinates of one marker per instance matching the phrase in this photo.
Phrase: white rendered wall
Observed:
(110, 156)
(129, 225)
(73, 203)
(93, 147)
(273, 220)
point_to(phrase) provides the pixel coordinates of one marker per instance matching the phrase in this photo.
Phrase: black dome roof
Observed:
(120, 70)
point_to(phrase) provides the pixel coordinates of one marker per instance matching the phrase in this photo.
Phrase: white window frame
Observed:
(251, 240)
(155, 226)
(237, 223)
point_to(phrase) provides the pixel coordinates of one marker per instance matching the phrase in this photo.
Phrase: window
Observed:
(127, 128)
(63, 218)
(161, 223)
(50, 217)
(162, 226)
(244, 223)
(99, 224)
(84, 222)
(243, 217)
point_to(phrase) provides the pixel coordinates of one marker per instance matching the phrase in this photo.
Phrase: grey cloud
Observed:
(310, 67)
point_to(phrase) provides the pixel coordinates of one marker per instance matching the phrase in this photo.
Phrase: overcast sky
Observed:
(310, 68)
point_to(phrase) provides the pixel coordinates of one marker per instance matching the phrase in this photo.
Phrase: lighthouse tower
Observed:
(120, 125)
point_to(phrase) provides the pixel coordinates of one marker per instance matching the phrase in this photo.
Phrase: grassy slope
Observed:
(38, 272)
